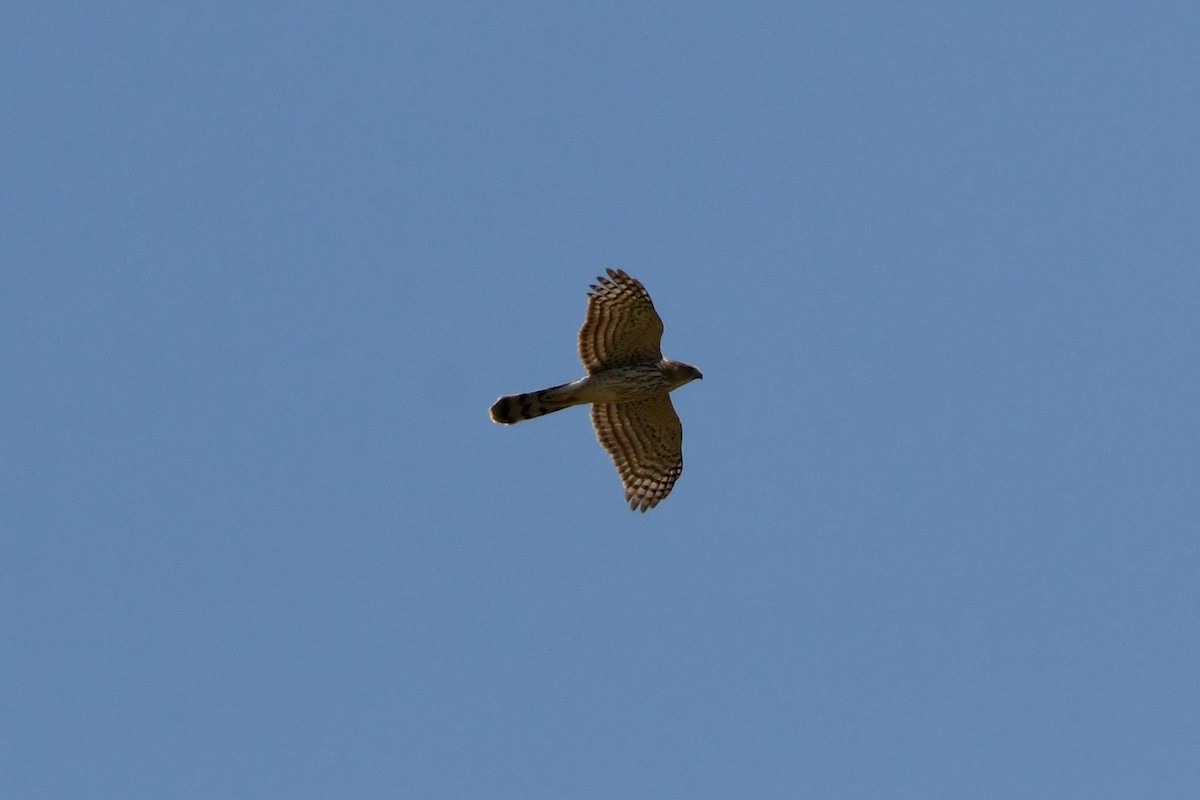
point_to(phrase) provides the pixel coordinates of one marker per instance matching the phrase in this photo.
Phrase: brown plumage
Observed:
(514, 408)
(629, 384)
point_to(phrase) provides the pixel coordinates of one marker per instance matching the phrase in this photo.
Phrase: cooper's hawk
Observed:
(628, 384)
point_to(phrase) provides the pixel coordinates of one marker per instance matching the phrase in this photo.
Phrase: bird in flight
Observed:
(628, 384)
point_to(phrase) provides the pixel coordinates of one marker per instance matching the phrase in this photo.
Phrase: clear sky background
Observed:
(264, 267)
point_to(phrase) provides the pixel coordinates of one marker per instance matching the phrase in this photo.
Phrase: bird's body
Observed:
(628, 384)
(615, 385)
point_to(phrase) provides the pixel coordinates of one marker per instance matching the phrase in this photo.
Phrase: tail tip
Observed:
(502, 411)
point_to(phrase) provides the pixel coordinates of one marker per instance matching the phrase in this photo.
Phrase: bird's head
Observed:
(678, 373)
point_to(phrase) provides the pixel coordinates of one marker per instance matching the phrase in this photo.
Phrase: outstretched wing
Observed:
(645, 440)
(622, 327)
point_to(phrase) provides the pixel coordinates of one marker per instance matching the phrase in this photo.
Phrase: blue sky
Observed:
(265, 268)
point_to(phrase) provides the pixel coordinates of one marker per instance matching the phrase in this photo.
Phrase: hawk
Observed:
(628, 384)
